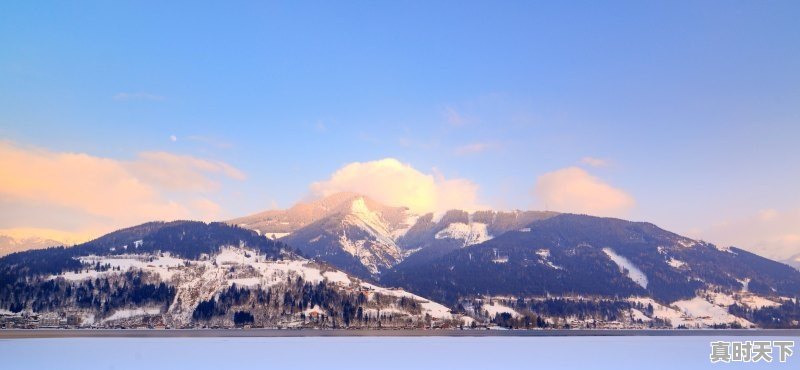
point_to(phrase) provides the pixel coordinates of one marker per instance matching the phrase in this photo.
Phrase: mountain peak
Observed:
(359, 206)
(10, 244)
(281, 222)
(365, 236)
(333, 201)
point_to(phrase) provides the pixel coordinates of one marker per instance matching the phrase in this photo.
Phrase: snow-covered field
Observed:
(495, 308)
(354, 353)
(705, 312)
(710, 309)
(432, 308)
(202, 279)
(163, 265)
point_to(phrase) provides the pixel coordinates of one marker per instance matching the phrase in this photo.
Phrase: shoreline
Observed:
(299, 333)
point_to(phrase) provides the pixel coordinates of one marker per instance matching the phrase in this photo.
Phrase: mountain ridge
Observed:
(349, 261)
(10, 244)
(190, 274)
(380, 236)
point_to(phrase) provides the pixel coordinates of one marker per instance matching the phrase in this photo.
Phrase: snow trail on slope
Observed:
(623, 263)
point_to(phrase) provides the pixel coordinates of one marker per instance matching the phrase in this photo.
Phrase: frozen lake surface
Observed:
(351, 353)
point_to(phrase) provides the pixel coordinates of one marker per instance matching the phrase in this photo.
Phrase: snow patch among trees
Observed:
(493, 308)
(676, 263)
(474, 233)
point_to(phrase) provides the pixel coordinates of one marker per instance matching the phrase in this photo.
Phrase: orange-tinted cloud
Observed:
(102, 194)
(574, 190)
(181, 172)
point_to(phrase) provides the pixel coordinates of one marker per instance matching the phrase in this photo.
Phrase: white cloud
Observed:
(398, 184)
(574, 190)
(770, 233)
(173, 138)
(101, 194)
(595, 162)
(181, 172)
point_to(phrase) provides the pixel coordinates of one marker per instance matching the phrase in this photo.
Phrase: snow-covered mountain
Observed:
(355, 237)
(433, 236)
(190, 274)
(336, 259)
(10, 244)
(348, 230)
(280, 223)
(365, 237)
(570, 261)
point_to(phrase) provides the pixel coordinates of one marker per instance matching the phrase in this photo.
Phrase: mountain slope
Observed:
(429, 238)
(561, 271)
(794, 261)
(544, 264)
(575, 254)
(189, 274)
(355, 235)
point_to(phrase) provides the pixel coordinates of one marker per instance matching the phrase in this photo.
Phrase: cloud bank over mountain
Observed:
(399, 184)
(574, 190)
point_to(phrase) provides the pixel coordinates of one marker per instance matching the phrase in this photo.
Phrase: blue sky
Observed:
(693, 107)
